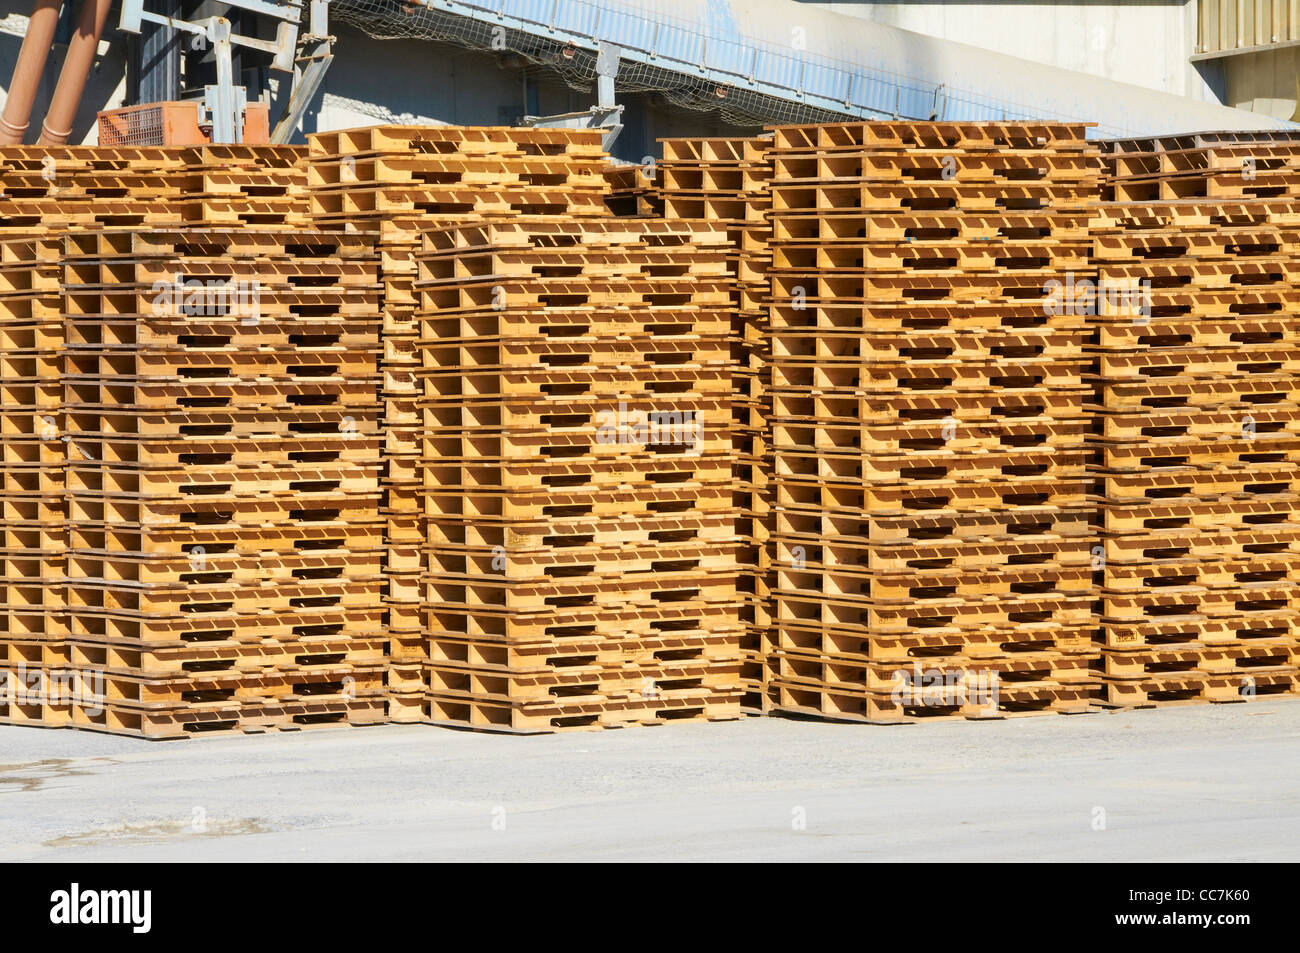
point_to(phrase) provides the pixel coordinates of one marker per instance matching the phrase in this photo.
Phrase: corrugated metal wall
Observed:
(1240, 24)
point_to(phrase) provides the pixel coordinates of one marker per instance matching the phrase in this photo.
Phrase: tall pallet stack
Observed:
(33, 647)
(48, 193)
(931, 541)
(578, 479)
(1197, 374)
(726, 181)
(398, 180)
(225, 546)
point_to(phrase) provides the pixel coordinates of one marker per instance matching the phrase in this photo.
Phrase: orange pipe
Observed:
(76, 70)
(27, 71)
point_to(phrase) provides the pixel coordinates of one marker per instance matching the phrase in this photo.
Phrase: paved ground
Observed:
(1185, 783)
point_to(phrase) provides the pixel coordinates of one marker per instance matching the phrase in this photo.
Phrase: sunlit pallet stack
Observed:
(931, 540)
(398, 180)
(33, 647)
(872, 421)
(66, 187)
(77, 187)
(726, 181)
(1197, 374)
(578, 481)
(224, 552)
(246, 186)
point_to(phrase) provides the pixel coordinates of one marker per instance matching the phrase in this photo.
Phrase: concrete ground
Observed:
(1217, 783)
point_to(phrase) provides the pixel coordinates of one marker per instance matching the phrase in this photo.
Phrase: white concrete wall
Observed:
(1146, 43)
(1266, 82)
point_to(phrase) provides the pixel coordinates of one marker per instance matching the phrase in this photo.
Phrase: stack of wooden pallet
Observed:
(398, 180)
(76, 187)
(239, 186)
(931, 542)
(49, 193)
(633, 191)
(578, 482)
(33, 624)
(220, 396)
(66, 187)
(726, 181)
(1197, 376)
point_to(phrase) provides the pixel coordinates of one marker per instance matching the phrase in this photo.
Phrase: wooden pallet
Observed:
(1194, 245)
(457, 140)
(1174, 689)
(588, 648)
(633, 191)
(1167, 602)
(1230, 630)
(1197, 213)
(578, 683)
(152, 693)
(971, 136)
(633, 709)
(889, 197)
(1236, 514)
(450, 169)
(253, 718)
(1257, 656)
(247, 626)
(226, 656)
(942, 704)
(849, 675)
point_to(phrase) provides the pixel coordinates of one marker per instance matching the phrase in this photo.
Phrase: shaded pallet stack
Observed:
(577, 474)
(397, 180)
(726, 181)
(1196, 349)
(225, 546)
(931, 528)
(33, 647)
(633, 191)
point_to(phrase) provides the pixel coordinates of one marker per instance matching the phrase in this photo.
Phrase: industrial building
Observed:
(682, 67)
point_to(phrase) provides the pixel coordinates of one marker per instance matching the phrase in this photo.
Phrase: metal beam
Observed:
(158, 69)
(1244, 50)
(313, 61)
(305, 84)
